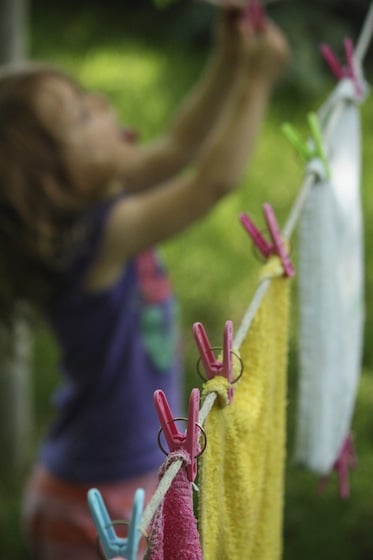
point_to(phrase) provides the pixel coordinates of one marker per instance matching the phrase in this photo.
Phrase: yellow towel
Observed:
(241, 501)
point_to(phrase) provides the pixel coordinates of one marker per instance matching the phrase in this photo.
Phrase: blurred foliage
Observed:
(163, 3)
(130, 54)
(187, 23)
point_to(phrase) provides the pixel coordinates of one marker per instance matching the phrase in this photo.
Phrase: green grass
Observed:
(212, 264)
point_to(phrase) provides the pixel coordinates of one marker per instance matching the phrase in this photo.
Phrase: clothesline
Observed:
(265, 283)
(364, 37)
(312, 173)
(249, 315)
(208, 403)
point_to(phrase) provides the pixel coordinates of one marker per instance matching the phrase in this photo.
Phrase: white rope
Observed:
(264, 284)
(310, 179)
(297, 208)
(364, 37)
(251, 312)
(208, 403)
(159, 494)
(295, 213)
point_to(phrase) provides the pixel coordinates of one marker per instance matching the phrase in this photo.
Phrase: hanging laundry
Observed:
(331, 293)
(241, 493)
(173, 532)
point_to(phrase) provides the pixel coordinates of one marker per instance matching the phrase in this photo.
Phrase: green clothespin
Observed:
(311, 149)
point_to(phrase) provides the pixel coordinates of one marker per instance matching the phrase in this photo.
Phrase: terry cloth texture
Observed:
(173, 532)
(331, 297)
(241, 495)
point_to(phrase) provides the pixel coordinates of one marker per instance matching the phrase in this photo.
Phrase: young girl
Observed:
(81, 206)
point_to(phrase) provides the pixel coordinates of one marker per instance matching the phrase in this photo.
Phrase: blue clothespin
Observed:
(276, 247)
(187, 441)
(311, 150)
(213, 366)
(112, 544)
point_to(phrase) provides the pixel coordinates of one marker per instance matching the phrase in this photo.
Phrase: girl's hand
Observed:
(235, 13)
(227, 32)
(260, 49)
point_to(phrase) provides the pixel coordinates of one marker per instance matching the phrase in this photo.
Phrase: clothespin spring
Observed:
(276, 245)
(184, 419)
(111, 525)
(219, 348)
(187, 441)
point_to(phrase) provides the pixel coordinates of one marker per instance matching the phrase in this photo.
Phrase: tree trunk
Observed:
(13, 31)
(15, 346)
(15, 397)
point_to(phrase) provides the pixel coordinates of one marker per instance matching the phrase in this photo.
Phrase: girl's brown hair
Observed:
(39, 206)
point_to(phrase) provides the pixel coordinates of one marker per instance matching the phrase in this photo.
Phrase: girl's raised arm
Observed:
(143, 219)
(146, 166)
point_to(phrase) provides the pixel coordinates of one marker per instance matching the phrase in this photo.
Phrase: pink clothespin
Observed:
(339, 71)
(189, 440)
(266, 248)
(213, 366)
(346, 460)
(254, 13)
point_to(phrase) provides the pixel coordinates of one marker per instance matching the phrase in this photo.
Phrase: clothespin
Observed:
(213, 366)
(189, 440)
(346, 461)
(277, 246)
(255, 15)
(340, 71)
(112, 544)
(253, 11)
(313, 151)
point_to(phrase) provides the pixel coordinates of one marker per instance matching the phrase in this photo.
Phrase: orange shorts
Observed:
(57, 519)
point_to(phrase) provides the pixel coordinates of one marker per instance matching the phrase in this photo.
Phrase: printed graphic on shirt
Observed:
(158, 318)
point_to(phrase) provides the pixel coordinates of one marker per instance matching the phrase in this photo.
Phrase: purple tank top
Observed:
(117, 347)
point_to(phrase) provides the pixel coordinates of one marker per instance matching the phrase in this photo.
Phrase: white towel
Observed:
(330, 273)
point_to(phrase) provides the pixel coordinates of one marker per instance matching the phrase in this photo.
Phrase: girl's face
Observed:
(87, 129)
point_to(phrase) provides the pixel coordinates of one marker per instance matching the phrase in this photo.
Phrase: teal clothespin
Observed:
(313, 148)
(112, 544)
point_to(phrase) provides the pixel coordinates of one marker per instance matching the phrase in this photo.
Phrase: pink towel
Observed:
(173, 531)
